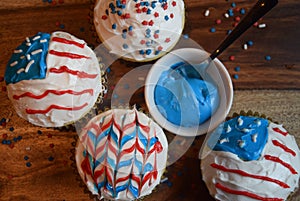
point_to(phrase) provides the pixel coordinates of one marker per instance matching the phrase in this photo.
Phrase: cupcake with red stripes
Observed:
(250, 158)
(121, 154)
(53, 79)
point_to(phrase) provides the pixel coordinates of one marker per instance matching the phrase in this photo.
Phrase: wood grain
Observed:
(270, 87)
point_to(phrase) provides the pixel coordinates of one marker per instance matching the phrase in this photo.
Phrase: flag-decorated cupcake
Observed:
(121, 154)
(250, 158)
(53, 79)
(138, 30)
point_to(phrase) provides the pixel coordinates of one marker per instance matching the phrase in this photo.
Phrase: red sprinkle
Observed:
(167, 40)
(218, 21)
(11, 145)
(173, 3)
(171, 15)
(235, 24)
(143, 42)
(3, 88)
(123, 1)
(151, 22)
(138, 10)
(49, 136)
(155, 36)
(232, 58)
(237, 18)
(165, 6)
(144, 22)
(156, 14)
(51, 145)
(144, 9)
(255, 24)
(61, 1)
(104, 17)
(137, 5)
(4, 136)
(1, 79)
(160, 48)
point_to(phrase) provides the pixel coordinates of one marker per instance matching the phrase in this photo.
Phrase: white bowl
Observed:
(217, 72)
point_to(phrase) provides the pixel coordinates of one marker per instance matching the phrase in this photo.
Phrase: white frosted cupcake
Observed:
(121, 155)
(53, 79)
(250, 158)
(138, 30)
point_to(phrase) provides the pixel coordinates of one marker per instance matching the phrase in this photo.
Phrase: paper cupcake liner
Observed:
(76, 142)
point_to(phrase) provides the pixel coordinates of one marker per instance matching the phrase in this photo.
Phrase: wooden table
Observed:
(38, 165)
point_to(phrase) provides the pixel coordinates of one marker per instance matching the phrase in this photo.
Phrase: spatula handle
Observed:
(256, 12)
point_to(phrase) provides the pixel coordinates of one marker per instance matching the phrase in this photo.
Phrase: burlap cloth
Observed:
(283, 106)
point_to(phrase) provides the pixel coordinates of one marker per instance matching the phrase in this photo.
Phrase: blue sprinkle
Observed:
(212, 30)
(233, 5)
(114, 26)
(153, 5)
(146, 3)
(186, 36)
(148, 31)
(82, 29)
(149, 11)
(243, 11)
(157, 52)
(170, 184)
(148, 35)
(250, 43)
(2, 120)
(142, 3)
(26, 158)
(148, 43)
(51, 158)
(4, 141)
(111, 5)
(268, 57)
(19, 137)
(130, 28)
(108, 70)
(236, 76)
(8, 142)
(39, 132)
(166, 17)
(28, 164)
(237, 68)
(125, 46)
(123, 6)
(160, 1)
(142, 52)
(148, 51)
(106, 12)
(115, 96)
(62, 26)
(15, 139)
(11, 129)
(126, 86)
(49, 1)
(124, 35)
(156, 31)
(119, 12)
(229, 31)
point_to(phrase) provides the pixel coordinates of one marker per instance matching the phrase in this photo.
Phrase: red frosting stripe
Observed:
(278, 160)
(66, 41)
(245, 193)
(80, 74)
(57, 107)
(243, 173)
(68, 54)
(282, 146)
(56, 92)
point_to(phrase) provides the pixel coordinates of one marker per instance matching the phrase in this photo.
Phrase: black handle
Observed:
(257, 11)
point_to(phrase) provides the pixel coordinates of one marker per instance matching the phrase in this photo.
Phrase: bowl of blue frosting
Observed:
(185, 99)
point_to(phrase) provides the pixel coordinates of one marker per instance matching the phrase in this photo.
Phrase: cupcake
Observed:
(121, 154)
(139, 30)
(250, 158)
(53, 79)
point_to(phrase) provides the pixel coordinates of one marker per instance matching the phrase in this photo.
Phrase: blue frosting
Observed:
(184, 97)
(244, 136)
(32, 49)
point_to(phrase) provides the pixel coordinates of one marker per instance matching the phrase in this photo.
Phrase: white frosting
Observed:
(168, 21)
(60, 82)
(130, 122)
(262, 167)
